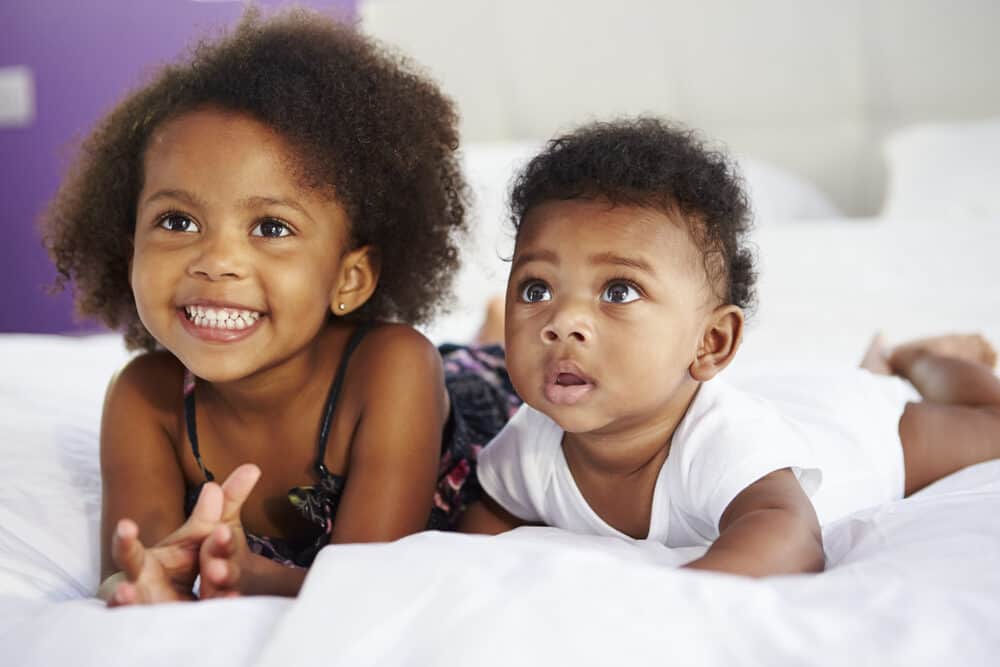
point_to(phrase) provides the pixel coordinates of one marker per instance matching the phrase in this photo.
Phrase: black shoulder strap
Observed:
(192, 431)
(331, 399)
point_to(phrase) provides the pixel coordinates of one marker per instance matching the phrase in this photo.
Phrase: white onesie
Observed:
(838, 433)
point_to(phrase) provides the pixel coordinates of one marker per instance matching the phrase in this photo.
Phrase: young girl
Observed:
(626, 298)
(252, 219)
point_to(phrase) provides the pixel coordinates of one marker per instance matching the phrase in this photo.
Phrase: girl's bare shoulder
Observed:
(398, 353)
(151, 383)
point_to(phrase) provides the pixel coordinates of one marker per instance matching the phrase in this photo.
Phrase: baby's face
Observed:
(606, 309)
(234, 261)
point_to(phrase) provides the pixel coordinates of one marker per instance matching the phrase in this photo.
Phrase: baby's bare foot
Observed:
(876, 357)
(968, 347)
(491, 332)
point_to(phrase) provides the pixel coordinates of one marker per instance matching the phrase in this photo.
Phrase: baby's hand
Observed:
(224, 555)
(165, 572)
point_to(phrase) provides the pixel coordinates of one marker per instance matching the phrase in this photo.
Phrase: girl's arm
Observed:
(392, 470)
(141, 477)
(396, 450)
(770, 528)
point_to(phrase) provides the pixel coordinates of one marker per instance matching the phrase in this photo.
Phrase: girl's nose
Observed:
(568, 324)
(221, 258)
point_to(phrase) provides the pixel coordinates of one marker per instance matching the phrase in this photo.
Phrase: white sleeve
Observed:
(726, 457)
(512, 468)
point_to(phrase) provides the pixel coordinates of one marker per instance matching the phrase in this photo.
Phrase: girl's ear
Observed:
(722, 337)
(359, 272)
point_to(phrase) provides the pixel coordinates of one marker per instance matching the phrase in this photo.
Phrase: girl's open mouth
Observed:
(219, 324)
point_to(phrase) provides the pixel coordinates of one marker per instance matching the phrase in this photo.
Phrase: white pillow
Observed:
(778, 195)
(50, 481)
(944, 171)
(490, 169)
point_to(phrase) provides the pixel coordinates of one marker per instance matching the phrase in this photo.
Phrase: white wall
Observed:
(811, 85)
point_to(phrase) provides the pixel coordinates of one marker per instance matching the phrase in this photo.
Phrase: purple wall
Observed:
(84, 56)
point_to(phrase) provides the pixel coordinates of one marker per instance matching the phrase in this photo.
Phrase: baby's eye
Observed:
(272, 229)
(175, 222)
(535, 291)
(620, 292)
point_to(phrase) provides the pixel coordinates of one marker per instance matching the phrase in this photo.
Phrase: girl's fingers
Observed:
(208, 510)
(236, 489)
(224, 574)
(220, 543)
(219, 570)
(126, 549)
(125, 594)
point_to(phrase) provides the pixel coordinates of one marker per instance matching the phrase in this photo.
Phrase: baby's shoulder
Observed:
(151, 382)
(530, 437)
(723, 416)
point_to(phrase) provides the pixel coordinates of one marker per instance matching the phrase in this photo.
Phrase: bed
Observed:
(914, 582)
(848, 245)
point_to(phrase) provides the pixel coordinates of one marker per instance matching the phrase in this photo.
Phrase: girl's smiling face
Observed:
(607, 310)
(235, 262)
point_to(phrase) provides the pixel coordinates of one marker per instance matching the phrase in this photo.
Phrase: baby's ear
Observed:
(720, 340)
(359, 272)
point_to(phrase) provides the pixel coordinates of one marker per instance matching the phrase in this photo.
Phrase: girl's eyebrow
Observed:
(182, 195)
(636, 263)
(256, 202)
(535, 256)
(249, 203)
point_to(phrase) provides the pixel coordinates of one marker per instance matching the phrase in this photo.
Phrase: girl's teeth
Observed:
(221, 318)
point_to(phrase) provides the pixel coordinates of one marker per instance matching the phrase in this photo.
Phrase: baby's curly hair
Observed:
(650, 163)
(369, 129)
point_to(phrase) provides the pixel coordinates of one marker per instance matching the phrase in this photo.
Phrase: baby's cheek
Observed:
(519, 368)
(654, 368)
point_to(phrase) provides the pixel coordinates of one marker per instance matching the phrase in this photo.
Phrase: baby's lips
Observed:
(570, 373)
(570, 379)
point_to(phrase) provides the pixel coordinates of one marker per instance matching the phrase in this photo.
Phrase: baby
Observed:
(626, 298)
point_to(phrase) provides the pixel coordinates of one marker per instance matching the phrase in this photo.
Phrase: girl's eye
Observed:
(175, 222)
(620, 293)
(535, 291)
(271, 229)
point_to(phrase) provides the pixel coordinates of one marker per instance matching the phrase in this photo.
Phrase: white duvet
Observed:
(912, 583)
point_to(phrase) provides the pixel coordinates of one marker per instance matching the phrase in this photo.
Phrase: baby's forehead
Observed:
(568, 223)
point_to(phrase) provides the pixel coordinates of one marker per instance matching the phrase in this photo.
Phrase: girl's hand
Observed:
(166, 572)
(224, 557)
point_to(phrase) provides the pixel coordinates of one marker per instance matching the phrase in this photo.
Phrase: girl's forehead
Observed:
(210, 128)
(208, 145)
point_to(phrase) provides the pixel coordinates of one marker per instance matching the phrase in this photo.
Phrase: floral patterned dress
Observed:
(482, 400)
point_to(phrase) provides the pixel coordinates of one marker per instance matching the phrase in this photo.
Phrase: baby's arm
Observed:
(487, 517)
(770, 528)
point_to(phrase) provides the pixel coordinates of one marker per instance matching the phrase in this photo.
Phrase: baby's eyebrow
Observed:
(535, 256)
(637, 263)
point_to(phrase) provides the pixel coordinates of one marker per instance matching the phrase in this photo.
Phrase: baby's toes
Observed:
(989, 353)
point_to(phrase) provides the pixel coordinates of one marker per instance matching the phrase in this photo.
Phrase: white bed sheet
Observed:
(917, 582)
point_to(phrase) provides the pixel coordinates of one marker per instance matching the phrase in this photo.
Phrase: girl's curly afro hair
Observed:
(368, 128)
(652, 164)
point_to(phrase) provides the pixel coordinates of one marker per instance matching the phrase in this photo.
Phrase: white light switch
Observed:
(17, 96)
